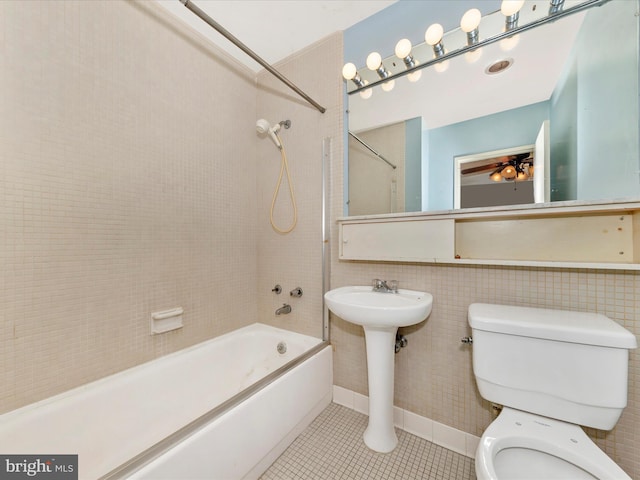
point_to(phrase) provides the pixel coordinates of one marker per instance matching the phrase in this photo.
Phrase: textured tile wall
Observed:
(126, 187)
(295, 259)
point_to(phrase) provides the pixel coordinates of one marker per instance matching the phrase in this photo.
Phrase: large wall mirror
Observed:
(577, 75)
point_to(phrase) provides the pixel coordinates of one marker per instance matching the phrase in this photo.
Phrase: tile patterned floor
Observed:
(332, 448)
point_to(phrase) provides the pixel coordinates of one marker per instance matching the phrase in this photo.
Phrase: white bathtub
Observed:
(179, 417)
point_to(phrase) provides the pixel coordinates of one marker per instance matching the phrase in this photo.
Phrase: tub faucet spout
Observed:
(284, 309)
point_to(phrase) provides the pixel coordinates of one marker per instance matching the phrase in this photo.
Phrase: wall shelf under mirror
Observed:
(562, 234)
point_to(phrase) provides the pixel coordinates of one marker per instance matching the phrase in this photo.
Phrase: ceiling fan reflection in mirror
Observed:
(517, 167)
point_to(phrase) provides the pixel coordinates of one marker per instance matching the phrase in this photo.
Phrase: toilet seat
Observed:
(521, 445)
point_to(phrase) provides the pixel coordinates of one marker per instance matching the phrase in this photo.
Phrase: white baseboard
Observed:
(438, 433)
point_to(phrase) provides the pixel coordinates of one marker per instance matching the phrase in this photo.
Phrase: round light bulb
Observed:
(434, 33)
(415, 76)
(509, 172)
(441, 67)
(366, 94)
(473, 56)
(374, 60)
(511, 7)
(470, 20)
(388, 86)
(496, 177)
(522, 176)
(349, 71)
(403, 48)
(509, 43)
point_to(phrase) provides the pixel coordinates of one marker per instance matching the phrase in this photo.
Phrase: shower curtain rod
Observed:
(224, 32)
(372, 150)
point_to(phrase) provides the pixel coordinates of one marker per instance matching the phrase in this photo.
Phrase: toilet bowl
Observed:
(520, 445)
(553, 371)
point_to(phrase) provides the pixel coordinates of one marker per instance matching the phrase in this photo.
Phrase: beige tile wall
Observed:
(295, 259)
(127, 186)
(131, 175)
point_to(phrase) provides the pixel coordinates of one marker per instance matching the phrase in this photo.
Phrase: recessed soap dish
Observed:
(166, 320)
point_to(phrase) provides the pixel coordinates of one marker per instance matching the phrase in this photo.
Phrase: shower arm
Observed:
(229, 36)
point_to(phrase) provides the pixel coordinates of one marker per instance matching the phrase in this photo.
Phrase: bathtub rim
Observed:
(147, 456)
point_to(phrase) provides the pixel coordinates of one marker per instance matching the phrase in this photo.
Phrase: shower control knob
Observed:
(277, 289)
(296, 292)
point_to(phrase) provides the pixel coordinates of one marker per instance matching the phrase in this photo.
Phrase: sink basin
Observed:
(380, 315)
(363, 306)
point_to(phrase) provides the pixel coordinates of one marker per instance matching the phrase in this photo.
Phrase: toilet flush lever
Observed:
(467, 340)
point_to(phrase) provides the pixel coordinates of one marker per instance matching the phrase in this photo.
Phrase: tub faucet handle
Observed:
(296, 292)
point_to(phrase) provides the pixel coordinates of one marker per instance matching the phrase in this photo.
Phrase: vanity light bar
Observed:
(467, 38)
(556, 6)
(511, 11)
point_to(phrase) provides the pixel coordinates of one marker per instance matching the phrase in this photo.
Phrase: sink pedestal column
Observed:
(380, 434)
(380, 314)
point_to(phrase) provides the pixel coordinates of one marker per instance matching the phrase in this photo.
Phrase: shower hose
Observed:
(284, 166)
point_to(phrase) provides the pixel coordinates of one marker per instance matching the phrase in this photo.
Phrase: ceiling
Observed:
(277, 28)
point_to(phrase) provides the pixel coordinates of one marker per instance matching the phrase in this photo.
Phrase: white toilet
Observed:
(552, 370)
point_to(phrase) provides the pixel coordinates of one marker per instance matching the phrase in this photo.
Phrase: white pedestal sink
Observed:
(380, 314)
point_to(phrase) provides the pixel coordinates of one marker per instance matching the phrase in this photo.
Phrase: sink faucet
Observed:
(284, 309)
(381, 286)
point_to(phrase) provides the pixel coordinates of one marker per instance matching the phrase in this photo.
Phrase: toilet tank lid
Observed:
(561, 325)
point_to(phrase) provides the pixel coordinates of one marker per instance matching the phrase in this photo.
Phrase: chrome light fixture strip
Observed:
(352, 88)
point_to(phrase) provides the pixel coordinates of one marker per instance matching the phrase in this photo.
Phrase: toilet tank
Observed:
(572, 366)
